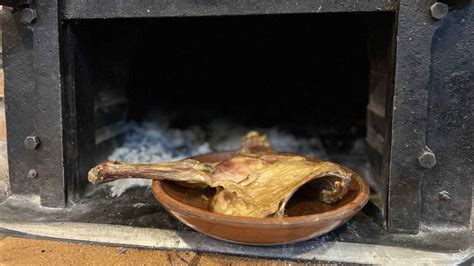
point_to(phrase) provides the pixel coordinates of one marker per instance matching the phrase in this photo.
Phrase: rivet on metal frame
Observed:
(444, 195)
(32, 142)
(427, 159)
(32, 173)
(439, 10)
(28, 16)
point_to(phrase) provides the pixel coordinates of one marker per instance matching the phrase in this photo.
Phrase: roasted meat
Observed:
(255, 182)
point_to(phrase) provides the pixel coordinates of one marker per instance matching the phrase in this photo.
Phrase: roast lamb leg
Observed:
(255, 182)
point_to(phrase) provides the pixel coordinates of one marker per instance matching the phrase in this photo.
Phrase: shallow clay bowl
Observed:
(306, 217)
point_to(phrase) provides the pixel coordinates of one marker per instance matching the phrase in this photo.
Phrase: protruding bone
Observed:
(190, 171)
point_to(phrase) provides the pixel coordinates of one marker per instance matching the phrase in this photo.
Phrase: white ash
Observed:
(139, 205)
(225, 136)
(152, 142)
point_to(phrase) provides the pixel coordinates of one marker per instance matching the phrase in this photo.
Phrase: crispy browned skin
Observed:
(255, 182)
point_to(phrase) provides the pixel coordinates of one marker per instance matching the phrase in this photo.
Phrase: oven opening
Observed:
(150, 90)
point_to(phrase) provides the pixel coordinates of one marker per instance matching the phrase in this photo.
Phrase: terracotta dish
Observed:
(305, 216)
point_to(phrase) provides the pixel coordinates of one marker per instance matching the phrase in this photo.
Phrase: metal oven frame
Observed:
(427, 142)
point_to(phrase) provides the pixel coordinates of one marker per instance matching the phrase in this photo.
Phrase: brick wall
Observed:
(3, 142)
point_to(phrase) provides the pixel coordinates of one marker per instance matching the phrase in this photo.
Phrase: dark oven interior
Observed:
(160, 89)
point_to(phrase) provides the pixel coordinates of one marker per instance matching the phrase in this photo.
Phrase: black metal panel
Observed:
(70, 138)
(101, 73)
(381, 46)
(93, 9)
(409, 112)
(447, 187)
(49, 105)
(20, 107)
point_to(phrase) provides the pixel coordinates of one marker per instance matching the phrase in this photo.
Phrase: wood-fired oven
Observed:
(383, 86)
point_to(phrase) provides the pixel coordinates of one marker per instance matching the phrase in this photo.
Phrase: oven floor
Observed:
(136, 219)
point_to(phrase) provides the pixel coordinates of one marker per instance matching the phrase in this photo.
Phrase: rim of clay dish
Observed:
(344, 211)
